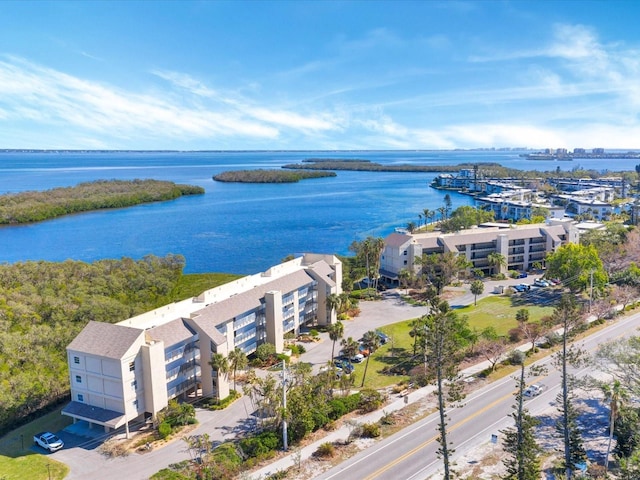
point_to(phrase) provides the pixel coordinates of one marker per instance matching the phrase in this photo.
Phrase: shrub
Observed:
(313, 332)
(387, 418)
(260, 445)
(326, 449)
(370, 400)
(215, 404)
(337, 408)
(265, 351)
(177, 414)
(370, 430)
(515, 335)
(164, 430)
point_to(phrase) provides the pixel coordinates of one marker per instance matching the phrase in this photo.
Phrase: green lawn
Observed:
(496, 311)
(18, 463)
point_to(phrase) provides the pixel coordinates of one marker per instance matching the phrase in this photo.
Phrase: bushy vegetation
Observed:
(269, 176)
(44, 305)
(27, 207)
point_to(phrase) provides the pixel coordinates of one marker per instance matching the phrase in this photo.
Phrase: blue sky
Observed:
(319, 74)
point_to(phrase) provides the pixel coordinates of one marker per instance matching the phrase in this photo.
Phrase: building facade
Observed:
(521, 245)
(127, 371)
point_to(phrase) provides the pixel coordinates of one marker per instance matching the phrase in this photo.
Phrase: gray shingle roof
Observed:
(105, 340)
(396, 240)
(220, 312)
(171, 333)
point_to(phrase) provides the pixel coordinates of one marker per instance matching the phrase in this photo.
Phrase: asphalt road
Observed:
(411, 453)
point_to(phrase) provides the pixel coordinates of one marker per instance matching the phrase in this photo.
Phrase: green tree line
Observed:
(489, 169)
(44, 305)
(34, 206)
(269, 176)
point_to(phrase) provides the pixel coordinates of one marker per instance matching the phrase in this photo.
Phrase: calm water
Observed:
(239, 228)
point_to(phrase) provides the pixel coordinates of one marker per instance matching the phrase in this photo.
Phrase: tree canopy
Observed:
(25, 207)
(574, 264)
(44, 305)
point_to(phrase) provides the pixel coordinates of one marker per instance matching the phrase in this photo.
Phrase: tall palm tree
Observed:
(333, 302)
(443, 213)
(616, 395)
(377, 247)
(411, 227)
(336, 332)
(496, 260)
(220, 364)
(237, 361)
(370, 341)
(403, 277)
(427, 215)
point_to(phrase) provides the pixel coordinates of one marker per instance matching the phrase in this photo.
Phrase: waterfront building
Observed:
(129, 371)
(523, 246)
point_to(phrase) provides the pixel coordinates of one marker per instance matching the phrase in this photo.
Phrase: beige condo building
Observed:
(129, 371)
(521, 245)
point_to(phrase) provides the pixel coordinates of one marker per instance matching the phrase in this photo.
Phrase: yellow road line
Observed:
(432, 439)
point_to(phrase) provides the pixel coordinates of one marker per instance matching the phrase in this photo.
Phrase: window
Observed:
(404, 253)
(132, 366)
(80, 397)
(78, 379)
(135, 403)
(405, 262)
(76, 360)
(134, 384)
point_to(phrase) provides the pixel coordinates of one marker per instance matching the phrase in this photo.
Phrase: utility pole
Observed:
(284, 406)
(590, 290)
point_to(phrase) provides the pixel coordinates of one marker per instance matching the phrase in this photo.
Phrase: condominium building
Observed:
(521, 245)
(127, 371)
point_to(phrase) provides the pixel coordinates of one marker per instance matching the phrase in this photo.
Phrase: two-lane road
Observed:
(411, 453)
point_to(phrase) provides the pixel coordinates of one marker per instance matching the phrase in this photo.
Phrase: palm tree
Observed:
(220, 364)
(477, 287)
(447, 205)
(237, 361)
(411, 227)
(403, 277)
(496, 260)
(333, 302)
(428, 214)
(349, 347)
(616, 395)
(377, 247)
(370, 341)
(443, 213)
(336, 331)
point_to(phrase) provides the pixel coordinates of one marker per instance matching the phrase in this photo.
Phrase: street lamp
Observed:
(284, 406)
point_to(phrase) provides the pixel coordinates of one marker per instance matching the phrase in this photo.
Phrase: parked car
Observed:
(522, 275)
(357, 358)
(48, 441)
(347, 366)
(384, 338)
(541, 283)
(533, 390)
(522, 287)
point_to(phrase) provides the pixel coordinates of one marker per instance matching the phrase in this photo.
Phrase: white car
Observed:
(533, 390)
(357, 358)
(48, 441)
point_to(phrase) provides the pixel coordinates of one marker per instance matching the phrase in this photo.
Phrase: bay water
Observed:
(234, 227)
